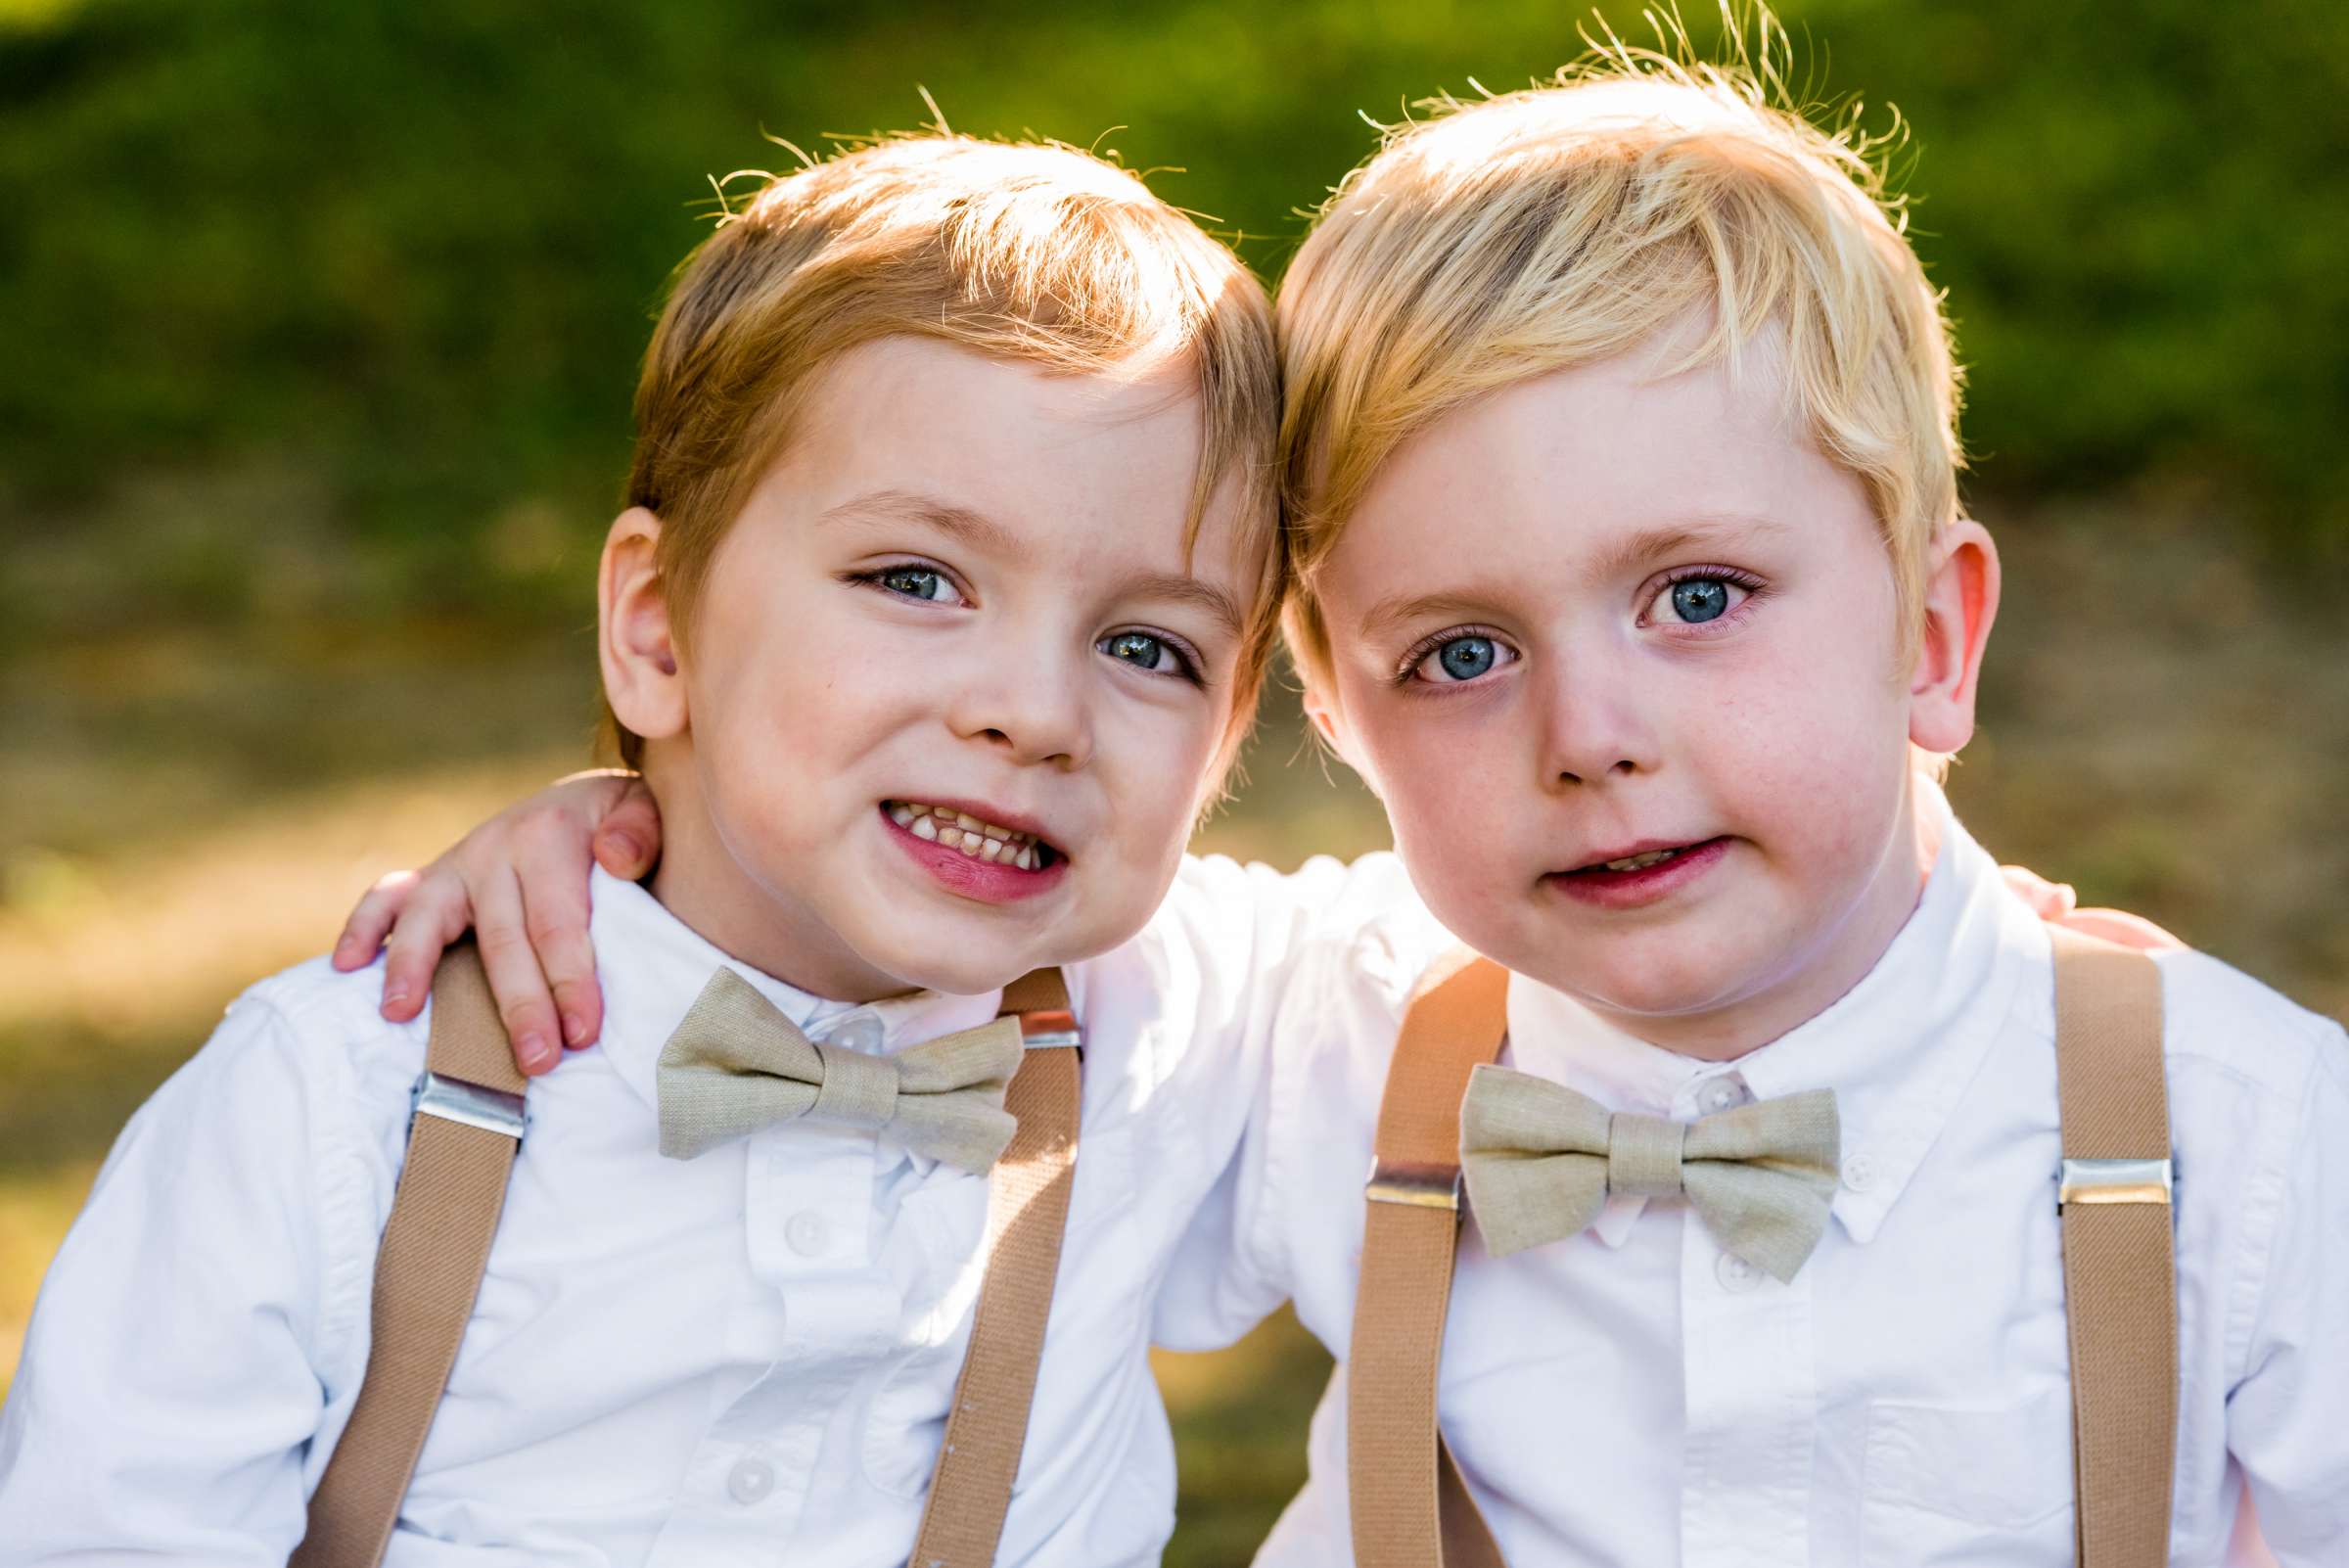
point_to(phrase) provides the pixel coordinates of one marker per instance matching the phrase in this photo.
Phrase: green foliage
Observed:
(409, 250)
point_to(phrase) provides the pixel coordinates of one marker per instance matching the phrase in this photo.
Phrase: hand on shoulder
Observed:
(518, 881)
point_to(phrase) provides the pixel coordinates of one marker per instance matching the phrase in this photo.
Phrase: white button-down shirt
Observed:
(745, 1358)
(1636, 1396)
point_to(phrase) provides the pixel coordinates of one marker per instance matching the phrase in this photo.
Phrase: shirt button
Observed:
(806, 1234)
(750, 1481)
(1723, 1093)
(1860, 1172)
(1736, 1274)
(855, 1031)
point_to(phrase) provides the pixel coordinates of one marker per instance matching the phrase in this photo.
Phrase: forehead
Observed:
(1062, 461)
(920, 406)
(1556, 473)
(1072, 473)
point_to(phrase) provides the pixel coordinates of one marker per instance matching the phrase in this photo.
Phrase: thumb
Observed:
(628, 841)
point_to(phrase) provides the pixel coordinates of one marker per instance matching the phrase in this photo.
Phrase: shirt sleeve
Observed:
(1325, 1001)
(2284, 1416)
(171, 1379)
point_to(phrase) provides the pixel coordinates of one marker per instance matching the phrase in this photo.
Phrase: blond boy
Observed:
(1633, 577)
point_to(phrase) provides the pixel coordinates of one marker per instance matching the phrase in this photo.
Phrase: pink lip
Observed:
(985, 881)
(1631, 890)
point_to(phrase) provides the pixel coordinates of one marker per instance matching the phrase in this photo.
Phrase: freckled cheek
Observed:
(1149, 766)
(1449, 799)
(1804, 768)
(788, 735)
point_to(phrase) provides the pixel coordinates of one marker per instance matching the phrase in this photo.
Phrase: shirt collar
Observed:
(652, 966)
(1899, 1049)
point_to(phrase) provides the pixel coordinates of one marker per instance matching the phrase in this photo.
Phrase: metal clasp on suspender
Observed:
(2115, 1181)
(452, 1099)
(1413, 1185)
(1046, 1028)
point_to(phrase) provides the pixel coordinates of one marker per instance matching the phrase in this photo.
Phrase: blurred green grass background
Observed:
(321, 330)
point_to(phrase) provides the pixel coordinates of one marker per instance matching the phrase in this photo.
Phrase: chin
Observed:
(970, 971)
(1666, 975)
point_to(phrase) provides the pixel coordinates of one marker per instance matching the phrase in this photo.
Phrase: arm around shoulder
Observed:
(179, 1358)
(1343, 944)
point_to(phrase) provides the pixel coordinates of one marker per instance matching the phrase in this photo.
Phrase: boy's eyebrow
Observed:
(1192, 591)
(1667, 538)
(984, 533)
(1671, 538)
(975, 529)
(1396, 609)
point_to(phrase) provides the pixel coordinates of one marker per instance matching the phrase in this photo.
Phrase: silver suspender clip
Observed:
(1050, 1028)
(2115, 1181)
(452, 1099)
(1412, 1184)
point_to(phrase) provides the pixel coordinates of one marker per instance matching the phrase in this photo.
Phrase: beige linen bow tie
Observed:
(736, 1065)
(1541, 1159)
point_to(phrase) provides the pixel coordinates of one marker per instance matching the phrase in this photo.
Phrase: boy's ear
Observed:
(1329, 722)
(1961, 600)
(636, 641)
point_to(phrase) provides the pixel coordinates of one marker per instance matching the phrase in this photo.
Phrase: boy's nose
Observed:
(1594, 726)
(1033, 709)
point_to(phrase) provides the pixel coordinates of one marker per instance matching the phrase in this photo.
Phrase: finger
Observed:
(524, 1002)
(2119, 924)
(2049, 901)
(371, 919)
(552, 876)
(436, 915)
(628, 841)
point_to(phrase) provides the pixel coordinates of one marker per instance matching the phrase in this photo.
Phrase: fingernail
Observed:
(534, 1052)
(575, 1029)
(395, 996)
(630, 850)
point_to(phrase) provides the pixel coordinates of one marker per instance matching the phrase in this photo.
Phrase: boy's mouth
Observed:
(990, 842)
(1638, 874)
(1639, 861)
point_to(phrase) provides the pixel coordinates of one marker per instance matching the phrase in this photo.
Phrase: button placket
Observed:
(1736, 1274)
(807, 1233)
(1749, 1369)
(750, 1481)
(1727, 1093)
(860, 1030)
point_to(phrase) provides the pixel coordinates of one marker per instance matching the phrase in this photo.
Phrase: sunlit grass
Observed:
(30, 14)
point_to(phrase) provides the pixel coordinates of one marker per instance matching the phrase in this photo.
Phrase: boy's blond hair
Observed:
(1036, 254)
(1524, 234)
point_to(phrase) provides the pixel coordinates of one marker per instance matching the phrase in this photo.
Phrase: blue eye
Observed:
(1699, 598)
(916, 582)
(1455, 659)
(1466, 658)
(1135, 648)
(1146, 651)
(1694, 600)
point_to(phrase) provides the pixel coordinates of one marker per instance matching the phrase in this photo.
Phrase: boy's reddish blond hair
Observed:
(1036, 254)
(1539, 230)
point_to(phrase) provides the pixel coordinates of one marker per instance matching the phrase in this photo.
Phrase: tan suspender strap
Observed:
(2119, 1269)
(1411, 1506)
(461, 1145)
(1027, 1209)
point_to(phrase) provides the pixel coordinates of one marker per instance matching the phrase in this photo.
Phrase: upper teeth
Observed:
(1638, 862)
(959, 830)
